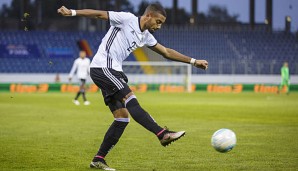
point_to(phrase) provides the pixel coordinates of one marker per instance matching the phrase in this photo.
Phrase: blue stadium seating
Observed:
(235, 52)
(243, 51)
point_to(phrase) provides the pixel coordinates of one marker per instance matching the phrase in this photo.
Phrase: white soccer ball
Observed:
(223, 140)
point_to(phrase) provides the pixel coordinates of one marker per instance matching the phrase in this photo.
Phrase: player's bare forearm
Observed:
(84, 13)
(173, 55)
(176, 56)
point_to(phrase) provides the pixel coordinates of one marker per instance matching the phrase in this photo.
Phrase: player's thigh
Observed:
(121, 113)
(83, 82)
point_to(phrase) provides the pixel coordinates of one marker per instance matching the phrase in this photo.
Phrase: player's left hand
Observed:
(64, 11)
(203, 64)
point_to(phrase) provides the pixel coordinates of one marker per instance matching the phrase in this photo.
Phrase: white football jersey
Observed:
(81, 66)
(123, 37)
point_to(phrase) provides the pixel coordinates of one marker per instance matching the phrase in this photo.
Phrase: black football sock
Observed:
(98, 158)
(78, 95)
(142, 117)
(84, 96)
(112, 137)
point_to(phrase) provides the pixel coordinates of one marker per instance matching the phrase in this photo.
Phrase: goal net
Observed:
(162, 76)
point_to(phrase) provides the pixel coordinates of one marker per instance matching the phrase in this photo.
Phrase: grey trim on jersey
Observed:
(108, 16)
(108, 45)
(139, 20)
(152, 46)
(113, 78)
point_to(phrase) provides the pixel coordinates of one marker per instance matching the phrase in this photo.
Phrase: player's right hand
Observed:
(203, 64)
(64, 11)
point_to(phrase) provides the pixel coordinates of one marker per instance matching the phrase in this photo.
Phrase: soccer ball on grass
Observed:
(223, 140)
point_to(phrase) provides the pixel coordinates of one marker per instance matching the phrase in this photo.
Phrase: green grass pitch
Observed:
(48, 132)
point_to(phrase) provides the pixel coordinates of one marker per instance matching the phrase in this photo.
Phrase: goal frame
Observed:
(188, 74)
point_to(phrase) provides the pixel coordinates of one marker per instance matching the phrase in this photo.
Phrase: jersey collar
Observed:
(139, 23)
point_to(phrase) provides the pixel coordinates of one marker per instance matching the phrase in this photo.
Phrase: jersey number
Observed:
(133, 44)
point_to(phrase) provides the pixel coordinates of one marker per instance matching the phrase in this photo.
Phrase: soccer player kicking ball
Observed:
(127, 32)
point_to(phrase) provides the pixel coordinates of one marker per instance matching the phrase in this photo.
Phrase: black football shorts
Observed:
(110, 82)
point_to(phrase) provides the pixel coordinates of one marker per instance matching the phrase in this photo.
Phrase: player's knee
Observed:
(131, 100)
(121, 113)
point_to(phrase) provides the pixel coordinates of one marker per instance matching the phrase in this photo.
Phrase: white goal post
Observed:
(159, 72)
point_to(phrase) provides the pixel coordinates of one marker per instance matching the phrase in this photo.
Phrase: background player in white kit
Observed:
(81, 67)
(127, 32)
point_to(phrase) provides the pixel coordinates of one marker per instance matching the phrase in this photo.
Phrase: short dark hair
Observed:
(156, 7)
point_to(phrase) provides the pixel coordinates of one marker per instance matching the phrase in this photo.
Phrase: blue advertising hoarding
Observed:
(19, 51)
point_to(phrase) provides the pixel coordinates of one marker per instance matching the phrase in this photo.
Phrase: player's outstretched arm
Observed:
(173, 55)
(83, 12)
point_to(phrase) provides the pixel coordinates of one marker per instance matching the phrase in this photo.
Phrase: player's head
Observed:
(286, 64)
(155, 16)
(82, 54)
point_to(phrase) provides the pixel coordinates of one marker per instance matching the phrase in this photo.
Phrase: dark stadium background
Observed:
(245, 42)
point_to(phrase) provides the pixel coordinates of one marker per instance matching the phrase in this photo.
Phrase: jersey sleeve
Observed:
(151, 41)
(89, 61)
(73, 69)
(118, 18)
